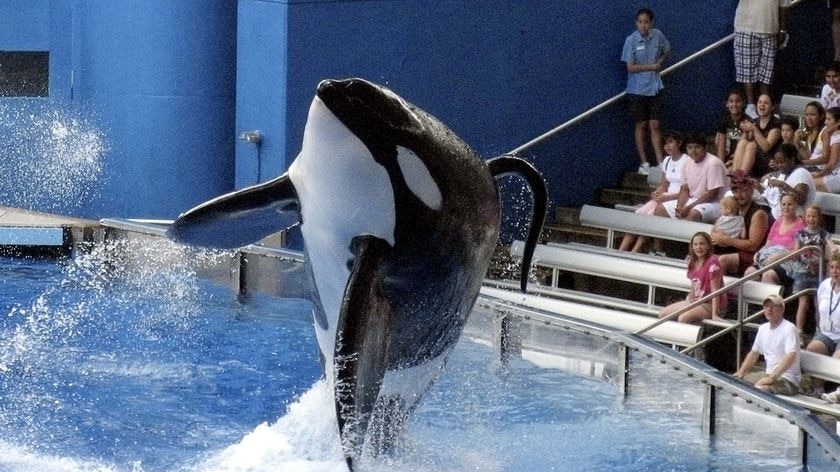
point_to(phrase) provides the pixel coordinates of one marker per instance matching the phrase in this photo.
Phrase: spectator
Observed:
(782, 236)
(828, 316)
(668, 189)
(730, 222)
(830, 94)
(729, 127)
(826, 154)
(736, 254)
(791, 177)
(789, 125)
(778, 341)
(803, 272)
(706, 276)
(807, 137)
(757, 26)
(704, 183)
(758, 140)
(645, 50)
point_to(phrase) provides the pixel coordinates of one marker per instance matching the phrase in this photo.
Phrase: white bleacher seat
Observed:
(671, 332)
(627, 222)
(631, 270)
(823, 367)
(794, 105)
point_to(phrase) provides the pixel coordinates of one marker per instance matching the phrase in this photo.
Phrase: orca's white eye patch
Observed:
(418, 178)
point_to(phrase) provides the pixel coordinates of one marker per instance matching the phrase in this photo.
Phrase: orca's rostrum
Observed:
(399, 219)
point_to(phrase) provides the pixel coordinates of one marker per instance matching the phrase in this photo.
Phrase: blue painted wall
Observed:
(154, 81)
(169, 85)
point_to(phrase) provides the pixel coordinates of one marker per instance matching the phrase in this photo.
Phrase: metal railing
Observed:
(741, 305)
(586, 114)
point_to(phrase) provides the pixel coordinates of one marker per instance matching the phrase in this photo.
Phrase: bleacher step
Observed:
(611, 196)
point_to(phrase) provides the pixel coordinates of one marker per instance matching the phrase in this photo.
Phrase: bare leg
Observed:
(738, 153)
(730, 263)
(819, 348)
(749, 91)
(770, 277)
(694, 315)
(658, 246)
(819, 184)
(672, 308)
(694, 215)
(802, 311)
(748, 157)
(641, 243)
(641, 128)
(627, 242)
(661, 211)
(656, 140)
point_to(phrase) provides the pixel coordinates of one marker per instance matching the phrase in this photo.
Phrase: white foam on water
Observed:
(304, 440)
(21, 459)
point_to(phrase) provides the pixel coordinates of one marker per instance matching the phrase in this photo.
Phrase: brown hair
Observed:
(819, 211)
(692, 258)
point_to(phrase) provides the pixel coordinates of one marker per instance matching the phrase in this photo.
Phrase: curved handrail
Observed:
(586, 114)
(728, 288)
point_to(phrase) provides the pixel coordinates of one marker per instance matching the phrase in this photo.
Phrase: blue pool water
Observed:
(108, 368)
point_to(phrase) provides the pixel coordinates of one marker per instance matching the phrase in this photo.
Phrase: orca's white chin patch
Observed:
(343, 193)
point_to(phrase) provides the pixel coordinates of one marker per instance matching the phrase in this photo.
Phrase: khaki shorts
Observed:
(781, 386)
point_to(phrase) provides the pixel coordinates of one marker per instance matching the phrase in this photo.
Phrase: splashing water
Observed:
(124, 360)
(52, 156)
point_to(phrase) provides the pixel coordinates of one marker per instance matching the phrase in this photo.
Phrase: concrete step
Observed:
(611, 196)
(634, 180)
(567, 215)
(564, 233)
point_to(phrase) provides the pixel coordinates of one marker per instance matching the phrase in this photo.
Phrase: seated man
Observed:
(778, 341)
(703, 184)
(735, 253)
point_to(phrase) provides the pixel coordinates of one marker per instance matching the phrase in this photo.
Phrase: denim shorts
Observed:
(829, 343)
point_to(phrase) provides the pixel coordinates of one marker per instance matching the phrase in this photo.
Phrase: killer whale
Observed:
(399, 219)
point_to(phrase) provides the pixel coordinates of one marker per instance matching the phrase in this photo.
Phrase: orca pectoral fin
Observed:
(512, 165)
(362, 342)
(239, 218)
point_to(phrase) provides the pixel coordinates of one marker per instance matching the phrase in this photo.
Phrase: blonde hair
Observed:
(819, 211)
(729, 204)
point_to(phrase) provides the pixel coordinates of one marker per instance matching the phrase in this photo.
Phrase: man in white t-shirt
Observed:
(778, 341)
(757, 27)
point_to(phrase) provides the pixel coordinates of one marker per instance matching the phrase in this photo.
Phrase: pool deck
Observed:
(36, 233)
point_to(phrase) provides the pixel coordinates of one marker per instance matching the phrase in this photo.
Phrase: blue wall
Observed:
(500, 73)
(170, 84)
(154, 80)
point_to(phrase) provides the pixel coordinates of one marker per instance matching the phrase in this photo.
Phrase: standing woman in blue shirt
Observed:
(644, 53)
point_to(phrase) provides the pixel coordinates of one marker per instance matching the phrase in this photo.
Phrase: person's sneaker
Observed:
(644, 169)
(833, 397)
(751, 111)
(659, 254)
